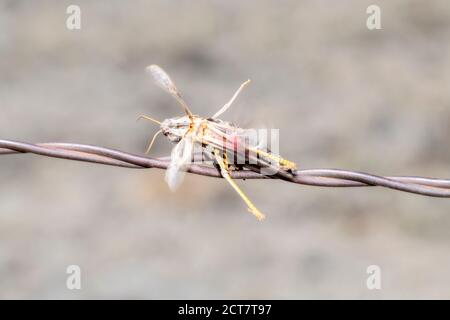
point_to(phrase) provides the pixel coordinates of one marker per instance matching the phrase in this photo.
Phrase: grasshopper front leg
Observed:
(224, 172)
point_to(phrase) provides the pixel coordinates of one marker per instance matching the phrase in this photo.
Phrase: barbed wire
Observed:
(312, 177)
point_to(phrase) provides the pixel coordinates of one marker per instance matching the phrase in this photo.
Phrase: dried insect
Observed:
(229, 147)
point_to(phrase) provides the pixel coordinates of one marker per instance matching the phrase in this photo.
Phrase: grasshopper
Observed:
(217, 140)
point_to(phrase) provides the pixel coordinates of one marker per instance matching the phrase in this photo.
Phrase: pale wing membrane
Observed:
(180, 157)
(163, 80)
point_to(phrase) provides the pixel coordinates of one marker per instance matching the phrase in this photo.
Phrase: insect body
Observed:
(228, 146)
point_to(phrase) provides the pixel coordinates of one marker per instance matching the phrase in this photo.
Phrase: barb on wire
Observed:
(313, 177)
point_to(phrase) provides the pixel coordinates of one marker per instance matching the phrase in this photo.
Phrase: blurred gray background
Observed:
(343, 97)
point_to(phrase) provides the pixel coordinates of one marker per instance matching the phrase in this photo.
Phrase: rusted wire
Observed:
(313, 177)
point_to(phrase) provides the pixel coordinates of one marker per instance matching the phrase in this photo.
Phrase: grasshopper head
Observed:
(175, 128)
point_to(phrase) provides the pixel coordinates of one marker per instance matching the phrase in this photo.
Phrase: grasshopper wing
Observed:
(163, 80)
(180, 157)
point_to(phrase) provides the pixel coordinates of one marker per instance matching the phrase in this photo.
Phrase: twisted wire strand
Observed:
(312, 177)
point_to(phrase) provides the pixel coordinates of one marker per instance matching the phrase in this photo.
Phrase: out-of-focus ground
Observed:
(342, 96)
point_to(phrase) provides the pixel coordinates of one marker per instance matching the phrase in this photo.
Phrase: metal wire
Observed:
(313, 177)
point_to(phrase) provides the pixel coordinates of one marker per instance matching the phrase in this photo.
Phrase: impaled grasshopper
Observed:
(229, 147)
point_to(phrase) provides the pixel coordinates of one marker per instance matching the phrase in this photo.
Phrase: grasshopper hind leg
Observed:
(222, 163)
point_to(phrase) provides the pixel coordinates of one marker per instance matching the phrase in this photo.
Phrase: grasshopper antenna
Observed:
(148, 118)
(155, 135)
(153, 140)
